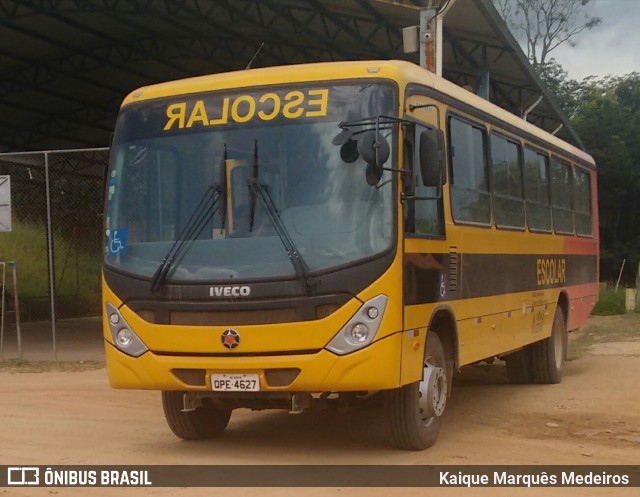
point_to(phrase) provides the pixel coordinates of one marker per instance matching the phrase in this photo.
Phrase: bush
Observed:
(611, 302)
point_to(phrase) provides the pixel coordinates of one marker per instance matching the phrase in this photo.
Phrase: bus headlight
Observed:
(361, 329)
(359, 332)
(123, 336)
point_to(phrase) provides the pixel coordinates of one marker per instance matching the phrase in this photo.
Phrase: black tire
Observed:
(408, 428)
(207, 421)
(519, 366)
(549, 355)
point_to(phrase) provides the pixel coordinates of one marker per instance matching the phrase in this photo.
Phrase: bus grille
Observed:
(237, 317)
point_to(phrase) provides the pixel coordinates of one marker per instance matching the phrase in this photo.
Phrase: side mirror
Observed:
(373, 148)
(431, 157)
(349, 151)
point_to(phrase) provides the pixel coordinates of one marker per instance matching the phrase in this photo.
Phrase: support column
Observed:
(430, 45)
(52, 273)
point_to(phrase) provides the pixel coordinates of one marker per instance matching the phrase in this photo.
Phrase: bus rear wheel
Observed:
(414, 411)
(543, 361)
(519, 366)
(206, 421)
(548, 356)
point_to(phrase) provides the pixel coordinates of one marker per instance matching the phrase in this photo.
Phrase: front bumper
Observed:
(376, 367)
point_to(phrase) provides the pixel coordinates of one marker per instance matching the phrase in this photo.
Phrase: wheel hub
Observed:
(433, 391)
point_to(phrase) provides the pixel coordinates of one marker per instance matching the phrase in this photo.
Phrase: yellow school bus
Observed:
(288, 236)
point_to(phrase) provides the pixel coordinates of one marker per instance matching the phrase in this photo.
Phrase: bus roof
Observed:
(401, 71)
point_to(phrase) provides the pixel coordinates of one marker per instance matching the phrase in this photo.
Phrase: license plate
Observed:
(235, 382)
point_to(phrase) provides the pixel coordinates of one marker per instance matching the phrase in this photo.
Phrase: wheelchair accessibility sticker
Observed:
(117, 241)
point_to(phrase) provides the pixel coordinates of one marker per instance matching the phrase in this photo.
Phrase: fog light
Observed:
(359, 332)
(114, 318)
(124, 337)
(372, 312)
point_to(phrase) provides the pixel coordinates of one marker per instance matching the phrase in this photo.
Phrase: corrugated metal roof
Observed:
(65, 66)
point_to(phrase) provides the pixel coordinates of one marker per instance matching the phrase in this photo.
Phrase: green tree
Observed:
(544, 25)
(608, 121)
(569, 93)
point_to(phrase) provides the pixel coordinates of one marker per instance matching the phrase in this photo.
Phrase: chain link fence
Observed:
(56, 236)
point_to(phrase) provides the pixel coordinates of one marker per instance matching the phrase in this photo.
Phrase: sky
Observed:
(613, 47)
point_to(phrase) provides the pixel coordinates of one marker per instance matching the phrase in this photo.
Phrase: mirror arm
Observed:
(413, 107)
(404, 197)
(394, 170)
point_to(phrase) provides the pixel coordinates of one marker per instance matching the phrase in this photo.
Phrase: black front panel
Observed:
(330, 291)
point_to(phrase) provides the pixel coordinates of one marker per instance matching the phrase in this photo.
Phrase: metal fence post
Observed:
(16, 306)
(638, 287)
(50, 251)
(4, 279)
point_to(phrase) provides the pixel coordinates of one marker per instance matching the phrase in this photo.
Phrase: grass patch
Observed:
(77, 270)
(580, 345)
(622, 328)
(618, 328)
(610, 303)
(18, 366)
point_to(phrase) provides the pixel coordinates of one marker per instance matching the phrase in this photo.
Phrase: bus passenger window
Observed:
(562, 196)
(470, 199)
(536, 191)
(506, 183)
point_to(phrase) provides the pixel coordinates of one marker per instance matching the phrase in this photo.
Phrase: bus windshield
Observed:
(200, 173)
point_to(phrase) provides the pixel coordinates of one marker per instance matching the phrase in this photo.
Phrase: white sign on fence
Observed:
(5, 203)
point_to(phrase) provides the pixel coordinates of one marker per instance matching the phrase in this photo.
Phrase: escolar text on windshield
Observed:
(293, 104)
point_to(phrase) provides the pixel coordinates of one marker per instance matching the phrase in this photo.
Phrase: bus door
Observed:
(430, 259)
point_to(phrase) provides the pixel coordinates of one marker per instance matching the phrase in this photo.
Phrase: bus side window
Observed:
(584, 221)
(409, 186)
(536, 191)
(427, 210)
(506, 183)
(470, 197)
(562, 196)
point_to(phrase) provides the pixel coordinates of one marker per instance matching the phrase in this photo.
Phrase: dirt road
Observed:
(50, 417)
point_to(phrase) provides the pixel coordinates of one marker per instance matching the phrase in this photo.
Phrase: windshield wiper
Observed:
(208, 205)
(257, 189)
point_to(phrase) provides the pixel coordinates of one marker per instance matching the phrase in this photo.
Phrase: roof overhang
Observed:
(65, 66)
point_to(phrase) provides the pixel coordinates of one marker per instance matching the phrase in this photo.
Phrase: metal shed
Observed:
(65, 65)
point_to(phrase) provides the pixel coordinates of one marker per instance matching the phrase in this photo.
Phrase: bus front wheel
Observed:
(414, 411)
(206, 421)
